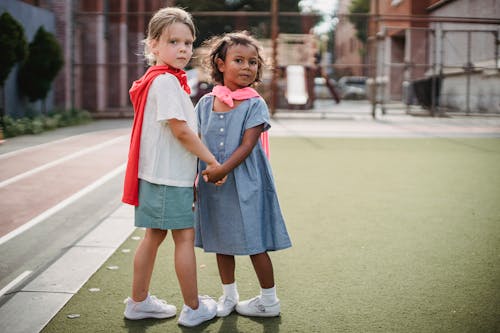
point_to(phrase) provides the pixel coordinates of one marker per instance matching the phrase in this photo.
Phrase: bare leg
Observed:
(185, 265)
(144, 261)
(264, 269)
(226, 266)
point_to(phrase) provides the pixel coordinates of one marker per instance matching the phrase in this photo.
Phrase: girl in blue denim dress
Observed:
(242, 216)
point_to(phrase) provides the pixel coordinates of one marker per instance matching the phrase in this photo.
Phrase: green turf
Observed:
(389, 235)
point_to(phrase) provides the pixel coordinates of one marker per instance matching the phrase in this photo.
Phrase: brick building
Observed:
(348, 48)
(102, 47)
(452, 42)
(101, 44)
(403, 42)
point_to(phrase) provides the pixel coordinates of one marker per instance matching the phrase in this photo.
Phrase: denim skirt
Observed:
(164, 207)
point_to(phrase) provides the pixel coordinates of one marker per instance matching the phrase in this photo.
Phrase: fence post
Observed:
(274, 41)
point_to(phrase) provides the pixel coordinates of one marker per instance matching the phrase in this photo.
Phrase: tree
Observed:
(41, 67)
(360, 22)
(14, 49)
(259, 26)
(12, 43)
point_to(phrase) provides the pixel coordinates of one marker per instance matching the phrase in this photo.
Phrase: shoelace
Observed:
(157, 303)
(256, 302)
(204, 297)
(154, 298)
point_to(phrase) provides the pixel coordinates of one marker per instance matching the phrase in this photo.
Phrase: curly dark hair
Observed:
(218, 46)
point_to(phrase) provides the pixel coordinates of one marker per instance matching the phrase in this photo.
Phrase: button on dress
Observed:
(243, 216)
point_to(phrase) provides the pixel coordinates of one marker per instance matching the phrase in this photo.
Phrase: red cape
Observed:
(139, 95)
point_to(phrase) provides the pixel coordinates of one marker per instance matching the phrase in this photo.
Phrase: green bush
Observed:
(12, 127)
(39, 123)
(50, 123)
(37, 126)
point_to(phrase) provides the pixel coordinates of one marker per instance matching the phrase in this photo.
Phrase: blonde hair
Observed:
(218, 47)
(160, 21)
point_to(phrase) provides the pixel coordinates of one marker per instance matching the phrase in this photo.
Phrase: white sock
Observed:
(231, 291)
(268, 296)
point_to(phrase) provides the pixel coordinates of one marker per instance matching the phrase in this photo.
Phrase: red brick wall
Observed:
(347, 45)
(61, 84)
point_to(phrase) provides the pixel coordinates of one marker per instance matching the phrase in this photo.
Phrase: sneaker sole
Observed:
(258, 314)
(222, 314)
(202, 320)
(225, 314)
(158, 315)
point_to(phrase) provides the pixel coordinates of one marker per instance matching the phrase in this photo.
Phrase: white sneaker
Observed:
(254, 308)
(206, 311)
(151, 307)
(226, 305)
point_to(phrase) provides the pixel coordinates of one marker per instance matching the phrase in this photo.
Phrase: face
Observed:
(240, 67)
(175, 46)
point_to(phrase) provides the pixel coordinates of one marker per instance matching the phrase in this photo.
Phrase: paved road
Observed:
(55, 188)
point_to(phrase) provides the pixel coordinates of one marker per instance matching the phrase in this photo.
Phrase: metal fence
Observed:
(442, 70)
(446, 66)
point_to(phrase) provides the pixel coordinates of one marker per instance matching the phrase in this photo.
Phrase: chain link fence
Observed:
(439, 68)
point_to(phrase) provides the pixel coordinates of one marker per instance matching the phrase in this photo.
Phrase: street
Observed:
(54, 193)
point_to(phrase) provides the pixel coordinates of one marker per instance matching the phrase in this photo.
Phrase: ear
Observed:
(220, 65)
(153, 46)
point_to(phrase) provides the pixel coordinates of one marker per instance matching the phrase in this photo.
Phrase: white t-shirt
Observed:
(162, 158)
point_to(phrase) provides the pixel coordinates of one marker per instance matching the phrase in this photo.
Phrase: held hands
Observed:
(214, 173)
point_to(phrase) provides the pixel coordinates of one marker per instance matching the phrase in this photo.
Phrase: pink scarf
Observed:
(227, 96)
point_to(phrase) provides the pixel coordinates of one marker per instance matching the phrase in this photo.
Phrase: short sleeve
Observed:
(167, 90)
(258, 114)
(198, 109)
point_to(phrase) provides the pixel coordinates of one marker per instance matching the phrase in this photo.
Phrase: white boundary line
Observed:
(59, 161)
(61, 205)
(23, 150)
(14, 282)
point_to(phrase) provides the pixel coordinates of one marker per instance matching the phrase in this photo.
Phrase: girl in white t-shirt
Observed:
(161, 168)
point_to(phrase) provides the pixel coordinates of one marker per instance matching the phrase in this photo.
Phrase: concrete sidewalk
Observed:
(44, 296)
(47, 293)
(353, 119)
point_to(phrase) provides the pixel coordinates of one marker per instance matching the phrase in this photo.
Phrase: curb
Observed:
(51, 290)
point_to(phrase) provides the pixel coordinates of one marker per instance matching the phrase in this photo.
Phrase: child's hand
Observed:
(214, 174)
(222, 181)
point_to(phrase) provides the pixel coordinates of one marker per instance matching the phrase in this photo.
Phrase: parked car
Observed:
(352, 87)
(321, 90)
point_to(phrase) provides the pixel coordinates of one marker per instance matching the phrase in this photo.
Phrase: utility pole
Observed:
(274, 42)
(72, 46)
(375, 87)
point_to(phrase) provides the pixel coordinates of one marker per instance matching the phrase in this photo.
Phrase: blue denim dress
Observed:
(243, 216)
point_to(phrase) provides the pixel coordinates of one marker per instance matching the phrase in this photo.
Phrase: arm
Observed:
(191, 141)
(250, 138)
